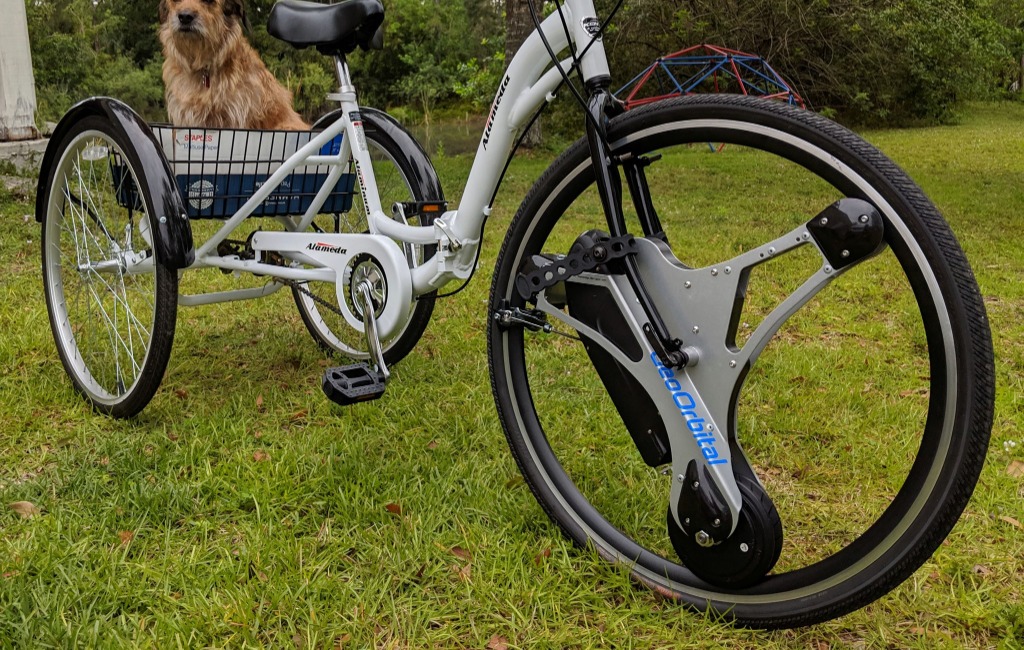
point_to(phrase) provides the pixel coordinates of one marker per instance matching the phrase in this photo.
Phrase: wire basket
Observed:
(218, 170)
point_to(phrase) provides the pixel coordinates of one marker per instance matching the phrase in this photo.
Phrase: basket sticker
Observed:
(188, 141)
(200, 194)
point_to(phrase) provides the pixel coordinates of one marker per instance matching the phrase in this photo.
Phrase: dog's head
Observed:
(201, 26)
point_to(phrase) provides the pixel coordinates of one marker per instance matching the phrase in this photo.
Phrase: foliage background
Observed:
(863, 61)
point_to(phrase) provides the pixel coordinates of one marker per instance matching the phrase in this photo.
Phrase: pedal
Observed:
(358, 382)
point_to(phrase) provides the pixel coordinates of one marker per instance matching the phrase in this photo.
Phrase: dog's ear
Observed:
(236, 9)
(163, 11)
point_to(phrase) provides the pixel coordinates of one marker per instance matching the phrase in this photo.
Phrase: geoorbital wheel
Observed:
(397, 180)
(112, 303)
(851, 385)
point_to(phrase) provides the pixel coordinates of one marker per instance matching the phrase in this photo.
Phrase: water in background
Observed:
(452, 137)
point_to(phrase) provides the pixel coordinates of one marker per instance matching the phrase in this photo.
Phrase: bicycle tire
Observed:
(97, 213)
(608, 505)
(397, 180)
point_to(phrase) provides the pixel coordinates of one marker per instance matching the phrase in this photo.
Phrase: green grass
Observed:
(242, 508)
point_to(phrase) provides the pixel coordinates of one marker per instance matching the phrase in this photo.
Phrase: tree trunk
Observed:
(519, 25)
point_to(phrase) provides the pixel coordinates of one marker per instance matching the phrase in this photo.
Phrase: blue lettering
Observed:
(686, 404)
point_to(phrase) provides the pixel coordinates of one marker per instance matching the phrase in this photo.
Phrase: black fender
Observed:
(424, 174)
(172, 230)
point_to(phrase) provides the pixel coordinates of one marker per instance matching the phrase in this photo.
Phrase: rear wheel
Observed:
(112, 304)
(863, 416)
(396, 181)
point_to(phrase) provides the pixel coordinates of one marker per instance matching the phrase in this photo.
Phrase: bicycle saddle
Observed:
(331, 29)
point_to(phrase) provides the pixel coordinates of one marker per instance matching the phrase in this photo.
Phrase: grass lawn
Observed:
(242, 508)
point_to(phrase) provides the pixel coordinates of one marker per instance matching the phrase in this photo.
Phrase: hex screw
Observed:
(696, 330)
(732, 364)
(687, 284)
(714, 272)
(744, 548)
(845, 253)
(863, 218)
(824, 221)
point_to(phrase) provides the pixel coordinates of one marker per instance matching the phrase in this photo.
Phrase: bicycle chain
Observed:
(590, 250)
(298, 286)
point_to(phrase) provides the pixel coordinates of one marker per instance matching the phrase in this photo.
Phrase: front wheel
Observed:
(403, 173)
(862, 402)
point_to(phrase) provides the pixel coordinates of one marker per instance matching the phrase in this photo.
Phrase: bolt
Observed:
(696, 484)
(744, 548)
(686, 522)
(687, 284)
(714, 272)
(824, 221)
(863, 218)
(732, 364)
(696, 330)
(845, 253)
(163, 219)
(600, 253)
(716, 523)
(703, 539)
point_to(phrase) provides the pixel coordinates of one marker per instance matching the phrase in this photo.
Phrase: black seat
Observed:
(331, 29)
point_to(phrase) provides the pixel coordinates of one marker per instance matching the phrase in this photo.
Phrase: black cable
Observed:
(558, 65)
(537, 114)
(483, 226)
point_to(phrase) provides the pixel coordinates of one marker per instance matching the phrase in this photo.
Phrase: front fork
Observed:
(720, 502)
(600, 107)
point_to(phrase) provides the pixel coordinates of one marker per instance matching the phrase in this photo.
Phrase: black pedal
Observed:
(359, 382)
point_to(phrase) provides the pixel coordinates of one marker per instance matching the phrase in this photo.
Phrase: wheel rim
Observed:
(331, 328)
(647, 560)
(96, 230)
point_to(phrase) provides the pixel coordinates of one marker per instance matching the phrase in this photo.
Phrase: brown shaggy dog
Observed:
(212, 76)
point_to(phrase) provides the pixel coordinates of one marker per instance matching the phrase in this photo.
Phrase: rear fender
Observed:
(173, 232)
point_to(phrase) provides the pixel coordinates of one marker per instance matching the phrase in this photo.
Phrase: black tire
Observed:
(114, 329)
(397, 180)
(902, 338)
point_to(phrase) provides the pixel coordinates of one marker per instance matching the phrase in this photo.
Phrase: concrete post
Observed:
(17, 86)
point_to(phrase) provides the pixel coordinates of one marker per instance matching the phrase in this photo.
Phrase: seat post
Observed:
(344, 78)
